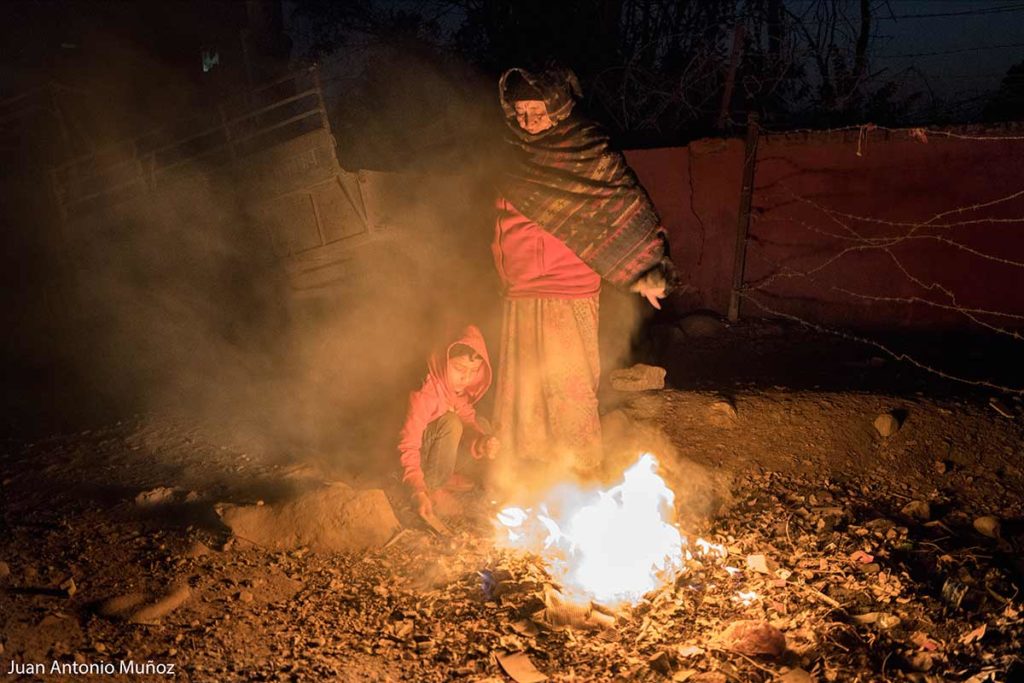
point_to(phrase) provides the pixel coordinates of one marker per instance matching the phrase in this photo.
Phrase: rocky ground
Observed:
(871, 535)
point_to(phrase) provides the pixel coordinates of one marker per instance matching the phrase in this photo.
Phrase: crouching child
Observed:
(442, 438)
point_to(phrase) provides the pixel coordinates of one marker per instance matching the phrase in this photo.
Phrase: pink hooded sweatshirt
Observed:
(535, 264)
(434, 398)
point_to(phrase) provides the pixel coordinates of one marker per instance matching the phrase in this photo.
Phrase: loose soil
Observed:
(863, 586)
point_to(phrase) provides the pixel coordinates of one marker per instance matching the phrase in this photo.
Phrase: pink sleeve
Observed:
(410, 440)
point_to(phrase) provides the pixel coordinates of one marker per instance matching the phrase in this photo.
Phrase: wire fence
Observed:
(958, 265)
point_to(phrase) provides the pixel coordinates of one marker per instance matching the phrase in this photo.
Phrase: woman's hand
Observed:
(651, 286)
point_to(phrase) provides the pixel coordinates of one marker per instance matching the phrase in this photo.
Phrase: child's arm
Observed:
(410, 441)
(477, 435)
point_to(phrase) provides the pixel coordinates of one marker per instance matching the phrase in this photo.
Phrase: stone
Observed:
(665, 337)
(706, 677)
(797, 675)
(886, 424)
(333, 518)
(753, 637)
(640, 377)
(197, 549)
(141, 608)
(661, 662)
(722, 414)
(917, 509)
(119, 605)
(921, 661)
(987, 526)
(152, 612)
(702, 325)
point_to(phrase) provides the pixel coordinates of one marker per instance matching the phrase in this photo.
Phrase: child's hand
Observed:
(425, 509)
(490, 447)
(421, 501)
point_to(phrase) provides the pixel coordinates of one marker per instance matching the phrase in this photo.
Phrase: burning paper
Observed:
(613, 546)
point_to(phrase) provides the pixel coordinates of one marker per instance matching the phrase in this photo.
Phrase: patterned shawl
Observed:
(572, 183)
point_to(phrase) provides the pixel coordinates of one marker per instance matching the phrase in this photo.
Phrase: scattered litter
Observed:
(435, 524)
(760, 564)
(69, 587)
(520, 669)
(161, 495)
(974, 635)
(1000, 407)
(882, 620)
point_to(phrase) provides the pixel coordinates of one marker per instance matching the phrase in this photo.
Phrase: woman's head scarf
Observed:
(569, 180)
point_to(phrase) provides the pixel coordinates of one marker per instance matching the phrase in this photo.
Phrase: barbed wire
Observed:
(897, 355)
(858, 242)
(913, 131)
(892, 240)
(930, 222)
(784, 271)
(961, 13)
(968, 312)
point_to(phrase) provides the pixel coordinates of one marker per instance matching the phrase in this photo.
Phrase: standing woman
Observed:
(571, 213)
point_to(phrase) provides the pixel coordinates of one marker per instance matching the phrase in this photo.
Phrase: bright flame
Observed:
(708, 548)
(615, 547)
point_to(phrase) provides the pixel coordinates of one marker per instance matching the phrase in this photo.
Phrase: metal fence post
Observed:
(743, 217)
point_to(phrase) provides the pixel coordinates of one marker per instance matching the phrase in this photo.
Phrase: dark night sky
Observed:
(961, 48)
(970, 39)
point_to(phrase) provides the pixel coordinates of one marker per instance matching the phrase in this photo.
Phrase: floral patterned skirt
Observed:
(548, 372)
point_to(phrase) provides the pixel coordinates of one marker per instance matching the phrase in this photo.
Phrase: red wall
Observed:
(805, 259)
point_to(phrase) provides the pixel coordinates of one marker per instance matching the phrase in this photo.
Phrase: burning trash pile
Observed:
(802, 578)
(800, 581)
(613, 546)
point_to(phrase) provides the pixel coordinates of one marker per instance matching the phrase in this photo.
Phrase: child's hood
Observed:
(438, 365)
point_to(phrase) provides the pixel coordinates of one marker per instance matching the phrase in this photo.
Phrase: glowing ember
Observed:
(614, 546)
(746, 597)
